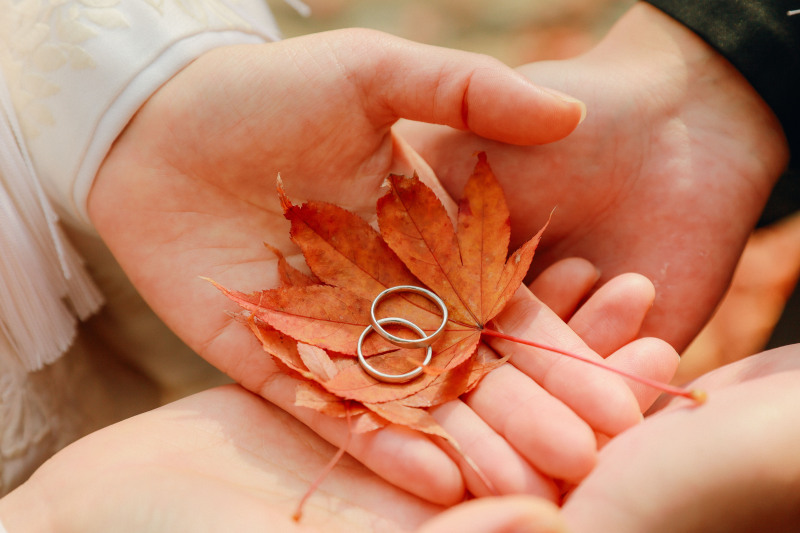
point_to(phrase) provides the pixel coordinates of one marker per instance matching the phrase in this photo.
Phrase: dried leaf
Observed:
(458, 381)
(317, 362)
(411, 417)
(290, 276)
(357, 259)
(315, 397)
(468, 270)
(328, 317)
(312, 324)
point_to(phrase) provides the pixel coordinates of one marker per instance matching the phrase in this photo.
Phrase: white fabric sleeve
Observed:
(77, 71)
(72, 74)
(45, 286)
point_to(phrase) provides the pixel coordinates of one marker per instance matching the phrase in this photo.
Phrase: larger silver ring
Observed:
(392, 378)
(399, 341)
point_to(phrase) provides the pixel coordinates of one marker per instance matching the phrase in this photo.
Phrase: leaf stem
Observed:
(697, 396)
(298, 513)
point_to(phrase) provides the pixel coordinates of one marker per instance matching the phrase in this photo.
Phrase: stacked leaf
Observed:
(311, 324)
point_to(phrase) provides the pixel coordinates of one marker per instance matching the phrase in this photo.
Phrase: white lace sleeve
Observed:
(72, 73)
(78, 70)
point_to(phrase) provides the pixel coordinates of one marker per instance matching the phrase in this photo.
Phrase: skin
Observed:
(188, 190)
(213, 461)
(764, 280)
(666, 176)
(737, 453)
(225, 459)
(729, 465)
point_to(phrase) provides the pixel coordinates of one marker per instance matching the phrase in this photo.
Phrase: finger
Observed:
(403, 79)
(426, 470)
(498, 515)
(613, 315)
(563, 285)
(650, 358)
(505, 469)
(598, 396)
(546, 432)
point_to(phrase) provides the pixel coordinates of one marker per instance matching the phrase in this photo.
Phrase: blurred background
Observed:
(755, 313)
(514, 31)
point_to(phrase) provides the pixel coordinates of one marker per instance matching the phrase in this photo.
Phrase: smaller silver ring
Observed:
(399, 341)
(393, 378)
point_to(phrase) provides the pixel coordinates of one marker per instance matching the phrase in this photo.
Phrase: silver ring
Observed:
(399, 341)
(393, 378)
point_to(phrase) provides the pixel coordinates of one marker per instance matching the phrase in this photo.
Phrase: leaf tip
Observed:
(286, 204)
(482, 166)
(699, 396)
(272, 249)
(392, 180)
(211, 281)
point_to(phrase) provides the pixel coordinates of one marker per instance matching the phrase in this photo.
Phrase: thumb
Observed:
(508, 514)
(403, 79)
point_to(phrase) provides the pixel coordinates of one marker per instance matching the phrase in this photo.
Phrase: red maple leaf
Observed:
(467, 267)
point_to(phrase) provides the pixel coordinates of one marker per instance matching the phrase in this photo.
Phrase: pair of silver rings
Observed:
(423, 341)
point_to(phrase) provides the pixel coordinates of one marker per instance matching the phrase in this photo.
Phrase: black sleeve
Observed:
(762, 40)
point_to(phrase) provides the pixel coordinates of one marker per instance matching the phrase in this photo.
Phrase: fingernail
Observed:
(566, 98)
(576, 101)
(583, 111)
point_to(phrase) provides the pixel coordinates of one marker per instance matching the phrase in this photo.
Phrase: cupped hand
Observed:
(728, 465)
(225, 460)
(188, 190)
(666, 176)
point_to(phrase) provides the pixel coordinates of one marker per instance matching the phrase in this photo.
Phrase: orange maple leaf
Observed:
(417, 245)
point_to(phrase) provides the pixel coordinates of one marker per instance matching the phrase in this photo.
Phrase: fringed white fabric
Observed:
(299, 6)
(45, 287)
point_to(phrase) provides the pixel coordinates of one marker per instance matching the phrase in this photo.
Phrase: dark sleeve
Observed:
(761, 40)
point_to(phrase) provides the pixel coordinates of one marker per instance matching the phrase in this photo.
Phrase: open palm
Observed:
(737, 453)
(220, 460)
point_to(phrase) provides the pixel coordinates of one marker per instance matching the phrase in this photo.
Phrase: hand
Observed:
(765, 278)
(221, 460)
(188, 191)
(224, 460)
(666, 176)
(539, 417)
(729, 465)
